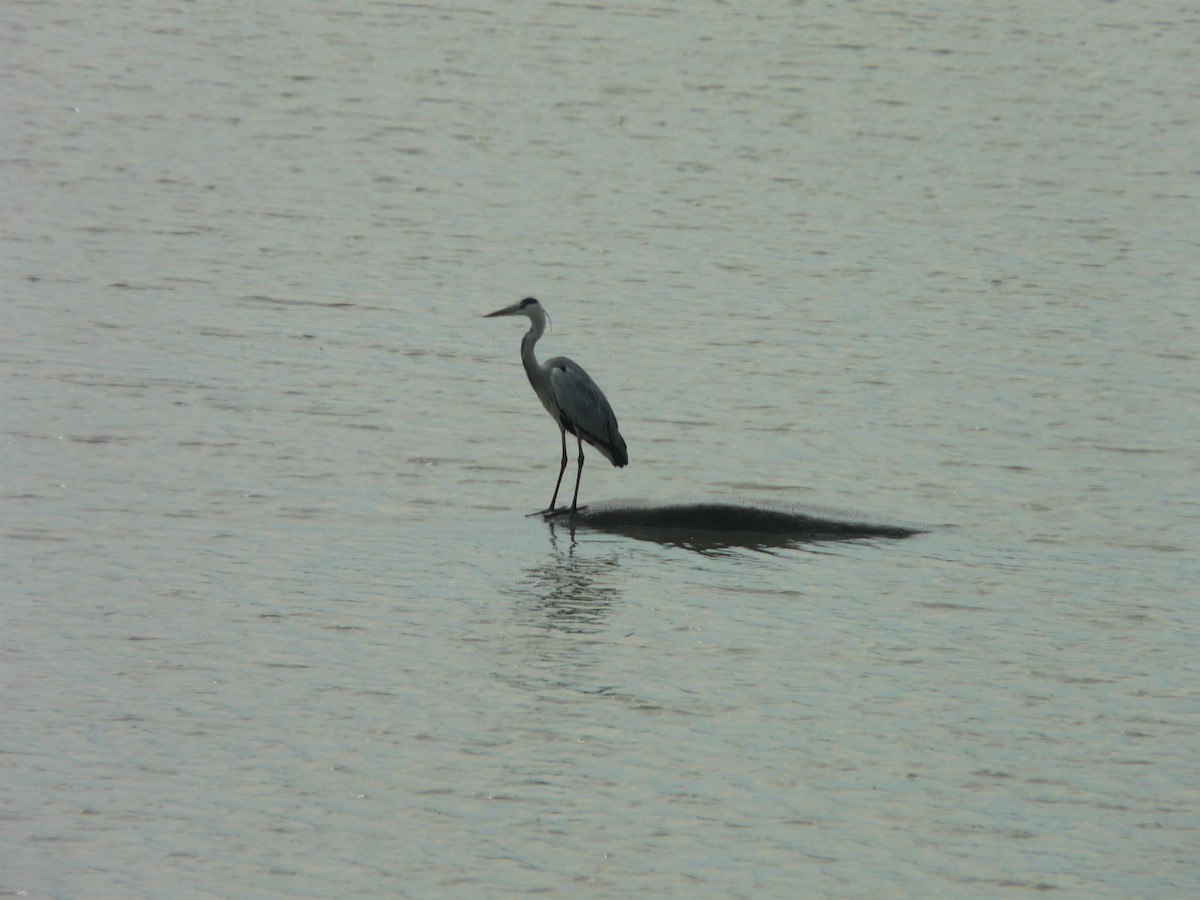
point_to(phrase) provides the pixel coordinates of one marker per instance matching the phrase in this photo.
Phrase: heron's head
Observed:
(527, 307)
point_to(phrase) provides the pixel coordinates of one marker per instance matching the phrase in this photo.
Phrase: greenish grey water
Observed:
(274, 621)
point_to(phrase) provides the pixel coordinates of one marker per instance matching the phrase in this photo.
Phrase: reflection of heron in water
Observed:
(575, 589)
(571, 397)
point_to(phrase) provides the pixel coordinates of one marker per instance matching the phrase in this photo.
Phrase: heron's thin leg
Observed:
(578, 474)
(561, 469)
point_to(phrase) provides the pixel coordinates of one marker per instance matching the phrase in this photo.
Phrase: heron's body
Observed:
(571, 397)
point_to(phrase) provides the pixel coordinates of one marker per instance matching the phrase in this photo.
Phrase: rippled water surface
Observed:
(275, 622)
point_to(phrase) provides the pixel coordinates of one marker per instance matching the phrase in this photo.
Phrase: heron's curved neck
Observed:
(537, 325)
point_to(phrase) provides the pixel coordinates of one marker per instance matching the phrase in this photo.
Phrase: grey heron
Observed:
(573, 400)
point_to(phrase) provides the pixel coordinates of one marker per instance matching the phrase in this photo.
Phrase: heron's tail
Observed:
(613, 447)
(615, 451)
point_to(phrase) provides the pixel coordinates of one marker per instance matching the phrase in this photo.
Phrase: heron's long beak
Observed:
(507, 311)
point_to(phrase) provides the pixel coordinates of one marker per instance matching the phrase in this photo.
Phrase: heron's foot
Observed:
(548, 511)
(562, 511)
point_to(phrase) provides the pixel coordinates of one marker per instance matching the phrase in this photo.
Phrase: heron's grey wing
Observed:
(585, 410)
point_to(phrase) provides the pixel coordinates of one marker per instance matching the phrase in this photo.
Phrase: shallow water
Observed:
(275, 622)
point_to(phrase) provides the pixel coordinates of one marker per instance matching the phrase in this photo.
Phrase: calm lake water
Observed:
(274, 620)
